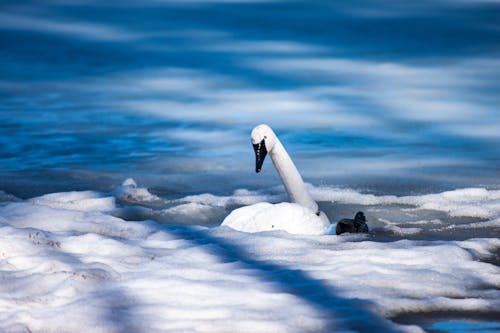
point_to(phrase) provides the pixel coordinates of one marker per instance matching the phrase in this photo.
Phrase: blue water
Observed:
(387, 96)
(464, 327)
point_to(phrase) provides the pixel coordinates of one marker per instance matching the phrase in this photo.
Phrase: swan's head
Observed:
(263, 140)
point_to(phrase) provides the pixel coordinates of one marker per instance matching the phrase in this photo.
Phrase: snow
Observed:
(473, 202)
(71, 262)
(129, 191)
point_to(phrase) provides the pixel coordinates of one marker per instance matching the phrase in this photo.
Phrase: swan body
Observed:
(290, 217)
(300, 215)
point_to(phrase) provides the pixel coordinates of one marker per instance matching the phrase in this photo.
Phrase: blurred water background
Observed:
(385, 96)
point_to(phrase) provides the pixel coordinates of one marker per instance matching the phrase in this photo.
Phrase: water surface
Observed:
(381, 95)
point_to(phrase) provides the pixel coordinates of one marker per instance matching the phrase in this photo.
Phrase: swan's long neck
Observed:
(291, 178)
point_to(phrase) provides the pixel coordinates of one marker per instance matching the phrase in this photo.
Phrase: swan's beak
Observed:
(260, 155)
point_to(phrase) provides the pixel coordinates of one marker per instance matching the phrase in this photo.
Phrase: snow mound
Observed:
(84, 201)
(130, 193)
(192, 213)
(290, 217)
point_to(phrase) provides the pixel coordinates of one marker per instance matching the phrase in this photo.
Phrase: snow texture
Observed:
(69, 264)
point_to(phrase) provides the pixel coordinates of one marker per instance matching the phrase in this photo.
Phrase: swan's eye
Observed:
(265, 137)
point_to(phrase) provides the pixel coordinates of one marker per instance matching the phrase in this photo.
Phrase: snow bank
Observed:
(481, 204)
(68, 264)
(472, 202)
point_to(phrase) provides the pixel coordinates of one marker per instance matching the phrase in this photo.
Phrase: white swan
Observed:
(265, 141)
(301, 216)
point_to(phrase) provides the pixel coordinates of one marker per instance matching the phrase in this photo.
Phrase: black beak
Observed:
(260, 155)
